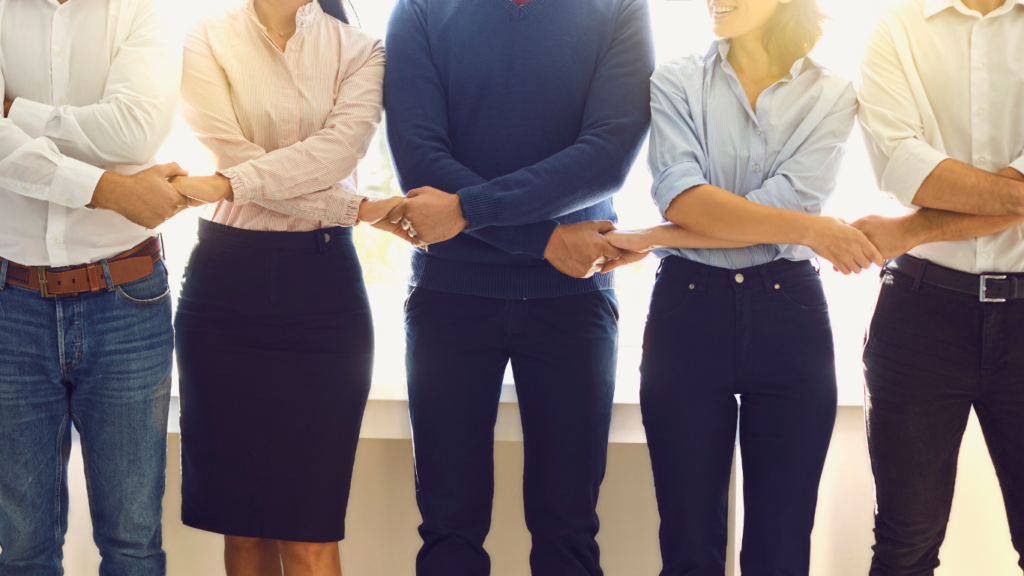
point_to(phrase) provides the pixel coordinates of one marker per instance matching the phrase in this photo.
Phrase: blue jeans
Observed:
(762, 333)
(101, 361)
(563, 354)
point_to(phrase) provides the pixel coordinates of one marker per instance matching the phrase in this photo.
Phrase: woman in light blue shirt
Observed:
(746, 143)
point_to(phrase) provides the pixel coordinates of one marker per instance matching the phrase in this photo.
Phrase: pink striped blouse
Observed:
(287, 128)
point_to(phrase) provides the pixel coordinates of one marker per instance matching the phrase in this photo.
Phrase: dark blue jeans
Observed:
(103, 362)
(931, 354)
(762, 333)
(563, 354)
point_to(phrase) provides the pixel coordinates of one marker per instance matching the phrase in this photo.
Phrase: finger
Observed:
(875, 255)
(862, 260)
(611, 252)
(170, 170)
(604, 226)
(415, 193)
(397, 214)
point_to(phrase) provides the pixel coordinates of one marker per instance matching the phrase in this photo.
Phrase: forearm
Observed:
(675, 236)
(957, 187)
(931, 225)
(717, 213)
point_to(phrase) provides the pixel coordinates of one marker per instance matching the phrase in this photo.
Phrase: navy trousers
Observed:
(762, 333)
(563, 354)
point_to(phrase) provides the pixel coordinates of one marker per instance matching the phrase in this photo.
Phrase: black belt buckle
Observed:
(983, 288)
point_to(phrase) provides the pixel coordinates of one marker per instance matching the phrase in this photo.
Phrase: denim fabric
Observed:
(101, 361)
(563, 354)
(762, 333)
(931, 354)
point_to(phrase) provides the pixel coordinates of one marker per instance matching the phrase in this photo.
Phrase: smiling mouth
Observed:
(722, 10)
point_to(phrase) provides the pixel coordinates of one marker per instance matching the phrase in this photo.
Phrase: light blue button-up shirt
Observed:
(786, 155)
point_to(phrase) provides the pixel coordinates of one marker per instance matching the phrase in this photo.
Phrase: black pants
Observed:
(931, 354)
(563, 354)
(762, 333)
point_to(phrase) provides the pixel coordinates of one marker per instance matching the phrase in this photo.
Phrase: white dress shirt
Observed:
(940, 81)
(95, 87)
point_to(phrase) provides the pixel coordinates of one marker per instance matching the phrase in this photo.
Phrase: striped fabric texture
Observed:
(287, 128)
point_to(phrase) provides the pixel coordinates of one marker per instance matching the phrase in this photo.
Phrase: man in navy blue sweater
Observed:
(511, 124)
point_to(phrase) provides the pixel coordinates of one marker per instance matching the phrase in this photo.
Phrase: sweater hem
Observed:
(497, 281)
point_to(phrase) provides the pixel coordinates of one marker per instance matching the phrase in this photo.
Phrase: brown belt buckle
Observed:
(42, 283)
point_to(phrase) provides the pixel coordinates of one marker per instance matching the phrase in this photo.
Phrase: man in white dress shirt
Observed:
(90, 91)
(942, 106)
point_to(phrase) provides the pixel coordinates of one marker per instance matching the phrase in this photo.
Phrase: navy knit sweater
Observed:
(533, 115)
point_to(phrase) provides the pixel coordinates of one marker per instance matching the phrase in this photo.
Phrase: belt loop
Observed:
(768, 284)
(920, 274)
(1013, 288)
(3, 272)
(702, 284)
(106, 275)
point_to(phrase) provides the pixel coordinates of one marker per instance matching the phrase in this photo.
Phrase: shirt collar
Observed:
(304, 18)
(721, 47)
(933, 7)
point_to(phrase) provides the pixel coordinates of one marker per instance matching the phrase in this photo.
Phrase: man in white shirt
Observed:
(942, 106)
(90, 92)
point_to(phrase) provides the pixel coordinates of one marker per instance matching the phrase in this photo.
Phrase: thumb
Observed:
(415, 193)
(604, 226)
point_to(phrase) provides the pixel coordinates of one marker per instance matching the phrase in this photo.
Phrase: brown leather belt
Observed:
(124, 268)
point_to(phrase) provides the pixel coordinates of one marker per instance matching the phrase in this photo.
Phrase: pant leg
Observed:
(564, 353)
(922, 361)
(1000, 408)
(121, 385)
(455, 358)
(787, 414)
(689, 412)
(35, 436)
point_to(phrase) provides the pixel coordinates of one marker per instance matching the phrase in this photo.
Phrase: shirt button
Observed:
(980, 112)
(739, 278)
(979, 65)
(60, 100)
(758, 131)
(60, 52)
(69, 202)
(757, 167)
(981, 159)
(61, 11)
(56, 239)
(24, 188)
(984, 254)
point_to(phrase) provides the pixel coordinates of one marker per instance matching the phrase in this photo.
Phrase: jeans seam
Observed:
(56, 496)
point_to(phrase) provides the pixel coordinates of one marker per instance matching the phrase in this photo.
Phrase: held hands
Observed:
(846, 247)
(203, 189)
(145, 198)
(581, 250)
(429, 215)
(891, 236)
(375, 212)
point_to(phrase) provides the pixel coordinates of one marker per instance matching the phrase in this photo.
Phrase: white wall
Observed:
(382, 522)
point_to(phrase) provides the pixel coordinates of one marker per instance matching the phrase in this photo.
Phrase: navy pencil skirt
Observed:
(275, 353)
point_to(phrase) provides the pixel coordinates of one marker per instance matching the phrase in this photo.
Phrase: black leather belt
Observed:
(987, 287)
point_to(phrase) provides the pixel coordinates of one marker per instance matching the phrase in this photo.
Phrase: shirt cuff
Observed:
(908, 168)
(1018, 164)
(74, 183)
(343, 208)
(30, 116)
(533, 239)
(777, 194)
(480, 207)
(244, 189)
(675, 180)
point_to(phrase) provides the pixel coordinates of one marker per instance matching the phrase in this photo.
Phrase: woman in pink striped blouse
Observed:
(274, 335)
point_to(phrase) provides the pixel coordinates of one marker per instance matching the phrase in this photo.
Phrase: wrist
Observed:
(107, 186)
(222, 184)
(457, 210)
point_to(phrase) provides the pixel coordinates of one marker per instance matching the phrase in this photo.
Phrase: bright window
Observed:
(681, 27)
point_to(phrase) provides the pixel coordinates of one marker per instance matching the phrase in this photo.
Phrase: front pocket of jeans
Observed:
(152, 289)
(668, 296)
(804, 292)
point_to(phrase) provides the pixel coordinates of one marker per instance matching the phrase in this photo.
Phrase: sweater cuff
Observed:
(908, 168)
(480, 207)
(533, 239)
(243, 189)
(30, 116)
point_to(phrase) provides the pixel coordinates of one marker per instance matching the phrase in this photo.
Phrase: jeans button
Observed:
(739, 278)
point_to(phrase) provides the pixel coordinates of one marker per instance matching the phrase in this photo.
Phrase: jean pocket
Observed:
(611, 303)
(804, 291)
(152, 289)
(668, 296)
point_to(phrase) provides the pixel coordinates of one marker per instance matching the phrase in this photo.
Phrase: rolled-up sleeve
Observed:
(892, 122)
(806, 180)
(1018, 164)
(676, 158)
